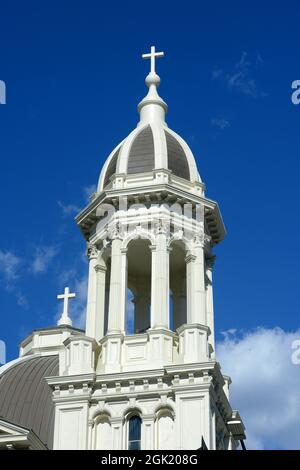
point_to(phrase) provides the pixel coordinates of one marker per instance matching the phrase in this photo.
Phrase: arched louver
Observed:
(177, 161)
(111, 169)
(141, 156)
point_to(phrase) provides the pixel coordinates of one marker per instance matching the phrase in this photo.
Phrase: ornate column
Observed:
(160, 289)
(117, 433)
(118, 285)
(90, 434)
(196, 302)
(96, 294)
(193, 336)
(147, 438)
(209, 302)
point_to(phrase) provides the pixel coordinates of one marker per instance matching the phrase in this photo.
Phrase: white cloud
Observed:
(43, 257)
(69, 209)
(130, 313)
(88, 191)
(73, 209)
(78, 310)
(9, 265)
(221, 123)
(240, 78)
(21, 300)
(77, 279)
(266, 385)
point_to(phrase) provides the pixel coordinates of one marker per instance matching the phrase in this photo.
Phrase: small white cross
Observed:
(152, 56)
(65, 319)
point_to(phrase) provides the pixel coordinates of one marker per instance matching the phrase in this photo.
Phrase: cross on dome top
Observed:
(152, 55)
(152, 108)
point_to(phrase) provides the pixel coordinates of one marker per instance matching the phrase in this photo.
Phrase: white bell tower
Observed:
(144, 375)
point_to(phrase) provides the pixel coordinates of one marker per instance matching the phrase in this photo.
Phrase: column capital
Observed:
(92, 251)
(199, 239)
(99, 268)
(148, 417)
(115, 231)
(116, 420)
(161, 227)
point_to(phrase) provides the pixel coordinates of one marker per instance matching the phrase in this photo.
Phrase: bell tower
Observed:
(144, 374)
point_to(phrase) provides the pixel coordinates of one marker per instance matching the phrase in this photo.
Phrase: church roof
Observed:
(25, 397)
(152, 145)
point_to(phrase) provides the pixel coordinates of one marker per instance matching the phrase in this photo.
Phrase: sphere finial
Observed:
(152, 107)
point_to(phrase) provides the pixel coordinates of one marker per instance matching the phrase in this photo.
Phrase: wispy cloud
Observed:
(10, 267)
(76, 277)
(68, 209)
(241, 77)
(73, 209)
(221, 123)
(265, 385)
(88, 191)
(43, 258)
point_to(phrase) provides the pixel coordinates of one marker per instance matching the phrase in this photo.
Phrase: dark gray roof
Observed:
(177, 161)
(111, 169)
(25, 397)
(141, 156)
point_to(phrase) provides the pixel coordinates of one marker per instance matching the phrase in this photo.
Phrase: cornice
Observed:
(213, 216)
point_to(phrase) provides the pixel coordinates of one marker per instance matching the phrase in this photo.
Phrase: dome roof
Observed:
(25, 397)
(152, 145)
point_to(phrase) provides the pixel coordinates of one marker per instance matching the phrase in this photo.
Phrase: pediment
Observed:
(13, 436)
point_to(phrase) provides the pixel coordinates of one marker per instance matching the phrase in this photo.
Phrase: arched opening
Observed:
(134, 432)
(178, 312)
(139, 287)
(103, 433)
(165, 429)
(130, 313)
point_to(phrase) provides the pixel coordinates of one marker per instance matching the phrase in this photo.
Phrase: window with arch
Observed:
(165, 429)
(102, 433)
(134, 432)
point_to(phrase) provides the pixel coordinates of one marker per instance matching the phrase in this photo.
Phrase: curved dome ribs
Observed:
(25, 397)
(141, 155)
(177, 161)
(112, 166)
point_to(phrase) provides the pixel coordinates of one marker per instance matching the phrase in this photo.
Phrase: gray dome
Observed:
(25, 397)
(152, 145)
(147, 148)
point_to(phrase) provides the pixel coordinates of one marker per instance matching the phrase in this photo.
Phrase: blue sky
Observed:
(74, 76)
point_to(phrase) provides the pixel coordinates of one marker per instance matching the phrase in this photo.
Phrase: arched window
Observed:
(165, 430)
(134, 433)
(102, 430)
